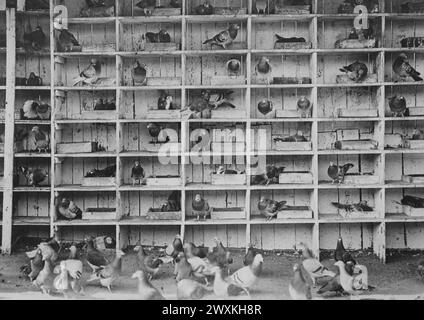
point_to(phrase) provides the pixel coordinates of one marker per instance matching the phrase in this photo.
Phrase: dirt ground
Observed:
(397, 277)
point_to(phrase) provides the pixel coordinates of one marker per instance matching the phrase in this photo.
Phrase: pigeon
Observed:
(265, 106)
(165, 101)
(353, 35)
(147, 6)
(403, 69)
(224, 38)
(303, 106)
(200, 207)
(43, 111)
(35, 39)
(281, 39)
(183, 269)
(204, 9)
(226, 288)
(45, 278)
(263, 66)
(30, 110)
(220, 256)
(412, 201)
(264, 7)
(154, 131)
(149, 264)
(67, 41)
(340, 254)
(95, 3)
(146, 291)
(222, 170)
(420, 269)
(218, 98)
(175, 3)
(398, 106)
(34, 80)
(418, 134)
(270, 208)
(356, 71)
(332, 286)
(346, 280)
(247, 276)
(357, 207)
(61, 283)
(191, 250)
(173, 204)
(234, 67)
(37, 264)
(90, 74)
(137, 173)
(250, 256)
(299, 289)
(139, 74)
(42, 139)
(338, 173)
(160, 37)
(68, 210)
(95, 258)
(189, 289)
(298, 137)
(109, 273)
(34, 176)
(272, 174)
(175, 247)
(201, 268)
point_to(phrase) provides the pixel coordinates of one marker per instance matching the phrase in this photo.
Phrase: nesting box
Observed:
(164, 114)
(98, 181)
(226, 80)
(99, 214)
(415, 144)
(159, 11)
(394, 141)
(226, 113)
(358, 214)
(76, 147)
(157, 214)
(99, 115)
(163, 81)
(344, 79)
(228, 179)
(291, 80)
(302, 212)
(413, 178)
(293, 45)
(292, 146)
(229, 11)
(161, 46)
(356, 145)
(228, 213)
(416, 112)
(413, 212)
(287, 114)
(296, 177)
(157, 181)
(302, 9)
(356, 44)
(357, 113)
(361, 179)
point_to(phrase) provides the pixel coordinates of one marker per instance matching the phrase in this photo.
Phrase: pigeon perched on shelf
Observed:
(362, 206)
(263, 66)
(137, 173)
(68, 210)
(270, 208)
(224, 38)
(338, 173)
(165, 101)
(159, 37)
(139, 74)
(299, 289)
(109, 273)
(200, 207)
(67, 41)
(34, 80)
(95, 3)
(30, 110)
(218, 98)
(265, 106)
(413, 201)
(356, 71)
(234, 67)
(353, 35)
(34, 176)
(204, 9)
(90, 74)
(272, 174)
(304, 106)
(154, 131)
(43, 111)
(173, 204)
(397, 105)
(42, 139)
(403, 69)
(35, 39)
(146, 291)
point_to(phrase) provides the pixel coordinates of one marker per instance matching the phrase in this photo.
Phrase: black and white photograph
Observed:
(212, 150)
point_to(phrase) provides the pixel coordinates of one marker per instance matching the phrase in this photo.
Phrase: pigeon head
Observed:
(137, 163)
(163, 32)
(198, 197)
(264, 60)
(296, 267)
(205, 94)
(220, 170)
(259, 259)
(66, 202)
(234, 27)
(36, 129)
(403, 56)
(43, 107)
(120, 253)
(339, 264)
(300, 133)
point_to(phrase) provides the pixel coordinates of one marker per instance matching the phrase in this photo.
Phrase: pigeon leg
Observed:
(109, 288)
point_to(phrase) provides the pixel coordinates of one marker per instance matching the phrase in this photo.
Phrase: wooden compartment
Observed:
(292, 146)
(415, 144)
(99, 115)
(228, 213)
(356, 44)
(164, 181)
(228, 179)
(76, 147)
(356, 145)
(357, 113)
(293, 45)
(158, 11)
(413, 178)
(296, 213)
(361, 179)
(393, 141)
(163, 81)
(157, 214)
(164, 114)
(229, 11)
(287, 114)
(344, 79)
(99, 182)
(358, 214)
(416, 112)
(99, 214)
(413, 212)
(296, 177)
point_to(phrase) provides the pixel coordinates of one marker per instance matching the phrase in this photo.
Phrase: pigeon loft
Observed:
(303, 9)
(228, 213)
(288, 114)
(228, 179)
(393, 141)
(293, 45)
(230, 11)
(296, 177)
(164, 114)
(361, 179)
(162, 46)
(226, 80)
(295, 213)
(416, 112)
(415, 144)
(357, 113)
(344, 79)
(76, 147)
(98, 182)
(292, 146)
(158, 214)
(356, 44)
(413, 212)
(163, 81)
(413, 178)
(356, 145)
(99, 115)
(162, 181)
(226, 113)
(291, 80)
(357, 214)
(99, 214)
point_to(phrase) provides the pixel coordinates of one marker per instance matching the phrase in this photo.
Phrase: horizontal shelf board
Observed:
(403, 84)
(281, 86)
(136, 54)
(194, 222)
(32, 88)
(80, 188)
(129, 188)
(416, 118)
(279, 120)
(373, 119)
(400, 151)
(401, 218)
(86, 88)
(263, 221)
(216, 120)
(133, 154)
(173, 120)
(202, 186)
(141, 221)
(282, 153)
(91, 20)
(31, 189)
(348, 85)
(340, 152)
(282, 52)
(346, 16)
(76, 121)
(33, 13)
(85, 223)
(297, 186)
(402, 185)
(333, 51)
(31, 221)
(281, 17)
(85, 53)
(32, 155)
(24, 52)
(334, 219)
(33, 122)
(215, 18)
(144, 88)
(228, 52)
(198, 87)
(150, 19)
(349, 186)
(87, 155)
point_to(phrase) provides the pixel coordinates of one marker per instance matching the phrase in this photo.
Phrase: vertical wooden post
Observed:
(9, 129)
